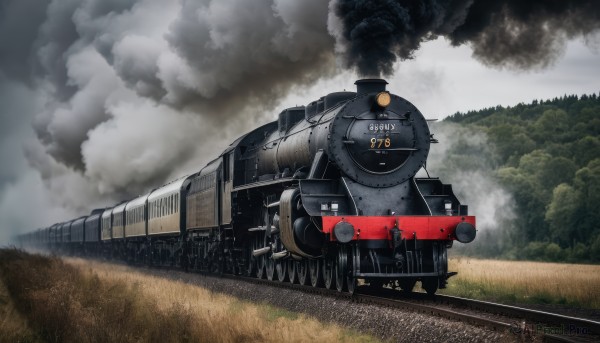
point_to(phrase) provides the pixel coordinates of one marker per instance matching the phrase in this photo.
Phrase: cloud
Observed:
(517, 34)
(104, 99)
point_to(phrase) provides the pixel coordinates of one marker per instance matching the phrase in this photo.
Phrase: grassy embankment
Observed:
(47, 299)
(574, 285)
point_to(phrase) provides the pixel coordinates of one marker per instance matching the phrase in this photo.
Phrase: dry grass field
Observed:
(84, 301)
(573, 285)
(13, 326)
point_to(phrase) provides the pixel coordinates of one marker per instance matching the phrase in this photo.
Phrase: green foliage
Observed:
(562, 213)
(547, 155)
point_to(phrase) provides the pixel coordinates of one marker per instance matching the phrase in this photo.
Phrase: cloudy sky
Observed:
(101, 100)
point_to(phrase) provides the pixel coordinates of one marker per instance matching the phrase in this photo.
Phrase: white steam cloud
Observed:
(125, 95)
(463, 158)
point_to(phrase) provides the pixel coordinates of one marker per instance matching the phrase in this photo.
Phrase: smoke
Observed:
(371, 35)
(113, 98)
(103, 100)
(463, 158)
(214, 58)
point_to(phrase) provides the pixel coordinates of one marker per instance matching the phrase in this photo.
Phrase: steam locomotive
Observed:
(326, 195)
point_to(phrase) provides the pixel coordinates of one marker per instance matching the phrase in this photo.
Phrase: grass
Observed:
(13, 326)
(83, 301)
(573, 285)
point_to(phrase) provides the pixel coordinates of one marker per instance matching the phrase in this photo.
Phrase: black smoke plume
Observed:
(510, 33)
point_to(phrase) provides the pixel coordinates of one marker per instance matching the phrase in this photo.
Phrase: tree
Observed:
(555, 171)
(562, 214)
(587, 181)
(547, 156)
(586, 149)
(551, 126)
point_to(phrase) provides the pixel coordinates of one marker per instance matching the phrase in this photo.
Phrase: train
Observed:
(326, 195)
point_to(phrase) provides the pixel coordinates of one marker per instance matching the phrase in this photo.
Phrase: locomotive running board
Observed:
(263, 183)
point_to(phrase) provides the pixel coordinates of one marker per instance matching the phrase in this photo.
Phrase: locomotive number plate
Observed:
(381, 127)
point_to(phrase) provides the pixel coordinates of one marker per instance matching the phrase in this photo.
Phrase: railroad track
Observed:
(522, 322)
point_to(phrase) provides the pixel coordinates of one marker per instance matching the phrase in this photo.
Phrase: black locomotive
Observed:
(326, 195)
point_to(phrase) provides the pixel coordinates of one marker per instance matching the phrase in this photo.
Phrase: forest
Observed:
(546, 156)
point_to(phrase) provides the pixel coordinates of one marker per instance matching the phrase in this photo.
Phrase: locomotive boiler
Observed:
(327, 194)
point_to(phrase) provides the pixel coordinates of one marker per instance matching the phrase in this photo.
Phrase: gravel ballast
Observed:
(386, 323)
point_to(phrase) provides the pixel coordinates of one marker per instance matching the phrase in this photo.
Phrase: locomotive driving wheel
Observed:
(291, 266)
(328, 269)
(341, 268)
(251, 261)
(353, 268)
(260, 260)
(270, 268)
(302, 268)
(316, 278)
(281, 269)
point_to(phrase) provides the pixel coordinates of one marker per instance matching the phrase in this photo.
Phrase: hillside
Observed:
(546, 155)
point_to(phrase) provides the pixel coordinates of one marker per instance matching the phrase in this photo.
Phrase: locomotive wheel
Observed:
(291, 266)
(328, 269)
(316, 278)
(281, 269)
(302, 268)
(407, 285)
(341, 269)
(430, 285)
(260, 270)
(260, 260)
(251, 264)
(350, 279)
(270, 268)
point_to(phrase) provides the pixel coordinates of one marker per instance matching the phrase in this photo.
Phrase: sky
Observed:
(442, 80)
(102, 100)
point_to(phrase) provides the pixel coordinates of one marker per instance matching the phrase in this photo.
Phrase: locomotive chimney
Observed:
(370, 86)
